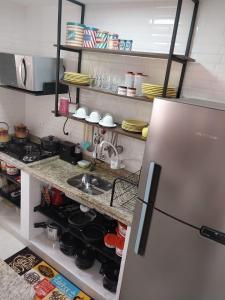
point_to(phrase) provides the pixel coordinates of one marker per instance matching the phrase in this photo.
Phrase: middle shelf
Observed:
(107, 92)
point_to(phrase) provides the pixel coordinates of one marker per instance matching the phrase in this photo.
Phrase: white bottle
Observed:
(129, 79)
(138, 80)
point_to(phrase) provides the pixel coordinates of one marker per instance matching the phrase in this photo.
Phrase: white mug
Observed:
(94, 117)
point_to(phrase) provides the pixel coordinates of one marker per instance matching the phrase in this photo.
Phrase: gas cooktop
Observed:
(25, 150)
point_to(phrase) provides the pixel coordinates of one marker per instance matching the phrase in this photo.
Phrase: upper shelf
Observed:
(176, 57)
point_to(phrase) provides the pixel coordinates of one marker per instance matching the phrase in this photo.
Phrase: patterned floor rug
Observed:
(48, 284)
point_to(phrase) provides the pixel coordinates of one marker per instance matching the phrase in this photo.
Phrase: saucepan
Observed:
(53, 230)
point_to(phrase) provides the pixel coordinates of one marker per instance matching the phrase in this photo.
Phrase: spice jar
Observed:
(122, 90)
(21, 131)
(4, 133)
(131, 92)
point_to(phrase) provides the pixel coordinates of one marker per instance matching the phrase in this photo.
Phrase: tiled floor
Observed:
(9, 245)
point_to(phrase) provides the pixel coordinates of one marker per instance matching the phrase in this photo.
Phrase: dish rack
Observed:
(125, 191)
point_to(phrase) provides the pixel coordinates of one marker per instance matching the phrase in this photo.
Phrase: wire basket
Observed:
(125, 191)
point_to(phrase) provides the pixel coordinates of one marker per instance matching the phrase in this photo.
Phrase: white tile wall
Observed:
(12, 36)
(149, 25)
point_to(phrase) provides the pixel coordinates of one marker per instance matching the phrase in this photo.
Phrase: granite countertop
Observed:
(56, 172)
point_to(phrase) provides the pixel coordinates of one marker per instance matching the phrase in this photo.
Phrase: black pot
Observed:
(69, 244)
(85, 258)
(50, 144)
(111, 275)
(80, 219)
(93, 233)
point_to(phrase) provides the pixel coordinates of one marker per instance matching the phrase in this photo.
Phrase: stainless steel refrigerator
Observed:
(177, 245)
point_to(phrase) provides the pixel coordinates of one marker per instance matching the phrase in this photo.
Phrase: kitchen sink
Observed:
(90, 184)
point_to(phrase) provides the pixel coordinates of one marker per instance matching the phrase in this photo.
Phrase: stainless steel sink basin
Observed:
(90, 184)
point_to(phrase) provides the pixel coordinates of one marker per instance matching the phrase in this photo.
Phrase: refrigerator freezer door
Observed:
(179, 264)
(188, 142)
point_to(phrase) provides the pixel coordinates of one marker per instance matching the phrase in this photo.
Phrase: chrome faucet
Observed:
(115, 164)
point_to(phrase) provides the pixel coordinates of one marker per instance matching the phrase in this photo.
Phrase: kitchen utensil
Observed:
(11, 170)
(110, 240)
(21, 131)
(64, 105)
(69, 244)
(110, 272)
(72, 108)
(145, 132)
(120, 241)
(79, 219)
(56, 198)
(4, 133)
(85, 258)
(122, 229)
(93, 233)
(94, 117)
(107, 121)
(50, 144)
(53, 230)
(81, 113)
(84, 164)
(91, 147)
(15, 194)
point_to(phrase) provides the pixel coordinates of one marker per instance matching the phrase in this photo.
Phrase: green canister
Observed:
(101, 39)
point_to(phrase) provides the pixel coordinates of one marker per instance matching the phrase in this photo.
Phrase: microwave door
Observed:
(21, 71)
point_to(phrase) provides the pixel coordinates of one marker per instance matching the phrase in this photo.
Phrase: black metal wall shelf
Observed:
(117, 129)
(106, 92)
(48, 89)
(165, 56)
(169, 57)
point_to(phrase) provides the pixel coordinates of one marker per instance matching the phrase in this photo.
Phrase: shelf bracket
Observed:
(172, 57)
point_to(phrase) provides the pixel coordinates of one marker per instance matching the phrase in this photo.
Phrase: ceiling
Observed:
(53, 2)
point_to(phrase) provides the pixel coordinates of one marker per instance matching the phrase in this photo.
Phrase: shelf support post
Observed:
(59, 25)
(188, 47)
(80, 54)
(172, 46)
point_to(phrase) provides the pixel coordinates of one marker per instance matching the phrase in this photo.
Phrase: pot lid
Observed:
(50, 139)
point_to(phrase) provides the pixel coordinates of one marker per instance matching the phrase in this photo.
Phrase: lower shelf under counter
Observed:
(88, 280)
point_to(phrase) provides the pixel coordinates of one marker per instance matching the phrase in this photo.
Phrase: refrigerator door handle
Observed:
(212, 234)
(147, 208)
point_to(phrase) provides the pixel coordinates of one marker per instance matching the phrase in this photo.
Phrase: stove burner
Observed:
(25, 151)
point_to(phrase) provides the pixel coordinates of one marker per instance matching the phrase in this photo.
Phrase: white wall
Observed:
(12, 36)
(150, 26)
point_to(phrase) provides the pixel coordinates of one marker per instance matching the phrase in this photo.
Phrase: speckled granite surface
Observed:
(12, 286)
(56, 172)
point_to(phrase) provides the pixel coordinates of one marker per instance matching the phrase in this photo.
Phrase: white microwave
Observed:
(28, 72)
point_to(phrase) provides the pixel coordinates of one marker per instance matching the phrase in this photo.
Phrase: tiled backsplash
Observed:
(150, 25)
